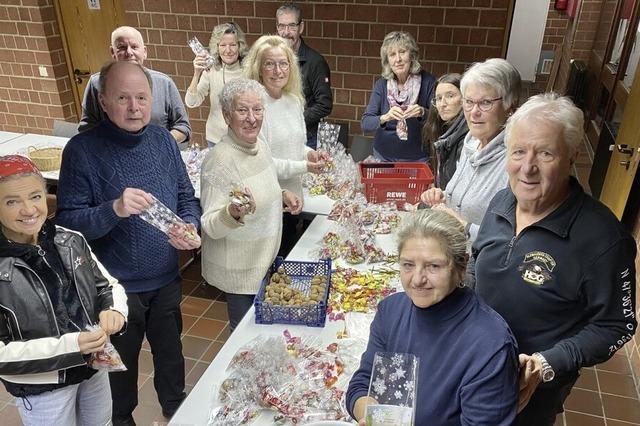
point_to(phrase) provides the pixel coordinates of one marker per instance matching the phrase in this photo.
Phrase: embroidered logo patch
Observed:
(536, 267)
(78, 261)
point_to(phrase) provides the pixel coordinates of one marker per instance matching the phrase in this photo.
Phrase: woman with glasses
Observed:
(445, 129)
(272, 62)
(228, 47)
(490, 93)
(240, 240)
(399, 101)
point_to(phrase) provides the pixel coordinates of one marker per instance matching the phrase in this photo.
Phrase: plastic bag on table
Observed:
(226, 179)
(108, 358)
(161, 217)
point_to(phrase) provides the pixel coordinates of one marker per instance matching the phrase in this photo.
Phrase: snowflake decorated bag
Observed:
(393, 386)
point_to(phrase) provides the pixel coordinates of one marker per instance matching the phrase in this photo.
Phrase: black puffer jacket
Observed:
(38, 351)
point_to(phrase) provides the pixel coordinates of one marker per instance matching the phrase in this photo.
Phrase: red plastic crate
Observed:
(395, 181)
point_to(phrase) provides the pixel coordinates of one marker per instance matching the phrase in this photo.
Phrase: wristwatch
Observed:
(547, 372)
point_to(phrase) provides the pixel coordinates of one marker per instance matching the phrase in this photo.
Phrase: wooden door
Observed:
(86, 27)
(625, 154)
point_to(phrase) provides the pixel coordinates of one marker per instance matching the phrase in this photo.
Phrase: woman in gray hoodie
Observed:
(490, 92)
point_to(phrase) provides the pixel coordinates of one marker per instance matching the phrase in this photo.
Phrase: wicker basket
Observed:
(46, 159)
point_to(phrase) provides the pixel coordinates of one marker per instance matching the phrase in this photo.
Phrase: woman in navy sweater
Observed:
(399, 101)
(468, 364)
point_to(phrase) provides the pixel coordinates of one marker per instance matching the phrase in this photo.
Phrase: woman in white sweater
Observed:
(228, 47)
(272, 62)
(240, 243)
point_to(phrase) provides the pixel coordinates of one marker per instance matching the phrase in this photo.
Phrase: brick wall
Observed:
(581, 36)
(451, 35)
(29, 37)
(554, 35)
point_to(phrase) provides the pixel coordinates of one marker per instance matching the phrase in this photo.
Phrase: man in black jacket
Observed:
(313, 66)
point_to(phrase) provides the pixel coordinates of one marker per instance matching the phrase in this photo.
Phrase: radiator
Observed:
(576, 85)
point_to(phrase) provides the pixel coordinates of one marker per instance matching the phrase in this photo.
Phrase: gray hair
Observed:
(498, 74)
(290, 7)
(443, 227)
(405, 40)
(218, 32)
(118, 32)
(237, 87)
(108, 67)
(551, 107)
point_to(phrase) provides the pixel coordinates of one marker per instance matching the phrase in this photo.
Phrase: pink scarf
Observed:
(403, 98)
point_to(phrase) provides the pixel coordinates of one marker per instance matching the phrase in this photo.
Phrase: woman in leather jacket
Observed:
(51, 289)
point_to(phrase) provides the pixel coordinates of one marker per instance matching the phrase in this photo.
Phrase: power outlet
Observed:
(43, 71)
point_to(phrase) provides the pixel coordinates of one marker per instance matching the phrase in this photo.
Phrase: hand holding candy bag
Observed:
(108, 358)
(161, 217)
(393, 386)
(226, 179)
(198, 49)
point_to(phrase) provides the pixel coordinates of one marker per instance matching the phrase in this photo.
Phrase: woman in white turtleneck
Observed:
(272, 62)
(228, 47)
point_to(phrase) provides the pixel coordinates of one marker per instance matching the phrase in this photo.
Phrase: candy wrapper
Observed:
(394, 386)
(353, 291)
(295, 376)
(198, 48)
(108, 358)
(226, 179)
(161, 217)
(339, 179)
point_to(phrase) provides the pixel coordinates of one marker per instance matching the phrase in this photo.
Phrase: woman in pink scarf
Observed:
(399, 101)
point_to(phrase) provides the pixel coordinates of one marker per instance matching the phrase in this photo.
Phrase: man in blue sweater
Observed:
(107, 177)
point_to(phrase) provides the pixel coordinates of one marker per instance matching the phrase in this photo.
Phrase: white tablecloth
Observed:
(7, 136)
(20, 145)
(195, 409)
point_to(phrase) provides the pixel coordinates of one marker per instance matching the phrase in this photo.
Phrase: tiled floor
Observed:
(603, 396)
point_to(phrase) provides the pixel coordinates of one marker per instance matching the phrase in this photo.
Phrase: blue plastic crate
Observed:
(301, 274)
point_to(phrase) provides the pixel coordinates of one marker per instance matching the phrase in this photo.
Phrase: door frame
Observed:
(77, 97)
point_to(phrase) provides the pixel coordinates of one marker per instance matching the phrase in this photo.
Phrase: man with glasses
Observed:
(313, 66)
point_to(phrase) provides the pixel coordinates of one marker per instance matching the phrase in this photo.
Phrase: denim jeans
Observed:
(87, 403)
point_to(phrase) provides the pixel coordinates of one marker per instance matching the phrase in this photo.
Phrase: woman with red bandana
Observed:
(51, 289)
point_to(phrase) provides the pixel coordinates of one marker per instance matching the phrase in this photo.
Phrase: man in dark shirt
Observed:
(313, 66)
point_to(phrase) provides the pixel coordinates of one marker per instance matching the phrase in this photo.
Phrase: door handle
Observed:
(626, 164)
(80, 74)
(622, 149)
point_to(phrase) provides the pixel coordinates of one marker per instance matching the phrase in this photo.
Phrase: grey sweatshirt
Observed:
(479, 176)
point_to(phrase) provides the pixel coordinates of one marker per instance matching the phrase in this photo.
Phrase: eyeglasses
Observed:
(291, 27)
(270, 65)
(243, 113)
(485, 105)
(449, 97)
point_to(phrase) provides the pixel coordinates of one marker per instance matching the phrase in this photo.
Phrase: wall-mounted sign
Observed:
(94, 4)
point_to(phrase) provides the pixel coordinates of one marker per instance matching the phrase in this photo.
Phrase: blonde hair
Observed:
(253, 64)
(402, 39)
(218, 32)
